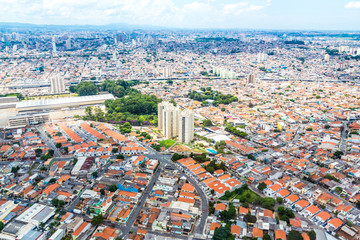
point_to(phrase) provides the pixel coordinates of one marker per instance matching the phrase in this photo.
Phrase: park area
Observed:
(167, 143)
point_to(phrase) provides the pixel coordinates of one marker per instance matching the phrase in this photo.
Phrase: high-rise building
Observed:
(251, 79)
(68, 43)
(326, 57)
(167, 72)
(186, 126)
(171, 121)
(161, 107)
(174, 123)
(57, 84)
(53, 45)
(261, 57)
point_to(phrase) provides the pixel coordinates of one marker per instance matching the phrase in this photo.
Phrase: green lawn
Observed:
(167, 143)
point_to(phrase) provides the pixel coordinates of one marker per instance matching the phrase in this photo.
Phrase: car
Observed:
(203, 210)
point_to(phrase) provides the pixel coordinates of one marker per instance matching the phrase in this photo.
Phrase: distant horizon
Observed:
(305, 15)
(152, 27)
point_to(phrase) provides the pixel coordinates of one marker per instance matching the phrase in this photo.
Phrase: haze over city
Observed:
(255, 14)
(169, 119)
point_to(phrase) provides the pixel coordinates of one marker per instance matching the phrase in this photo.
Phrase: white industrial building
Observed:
(58, 103)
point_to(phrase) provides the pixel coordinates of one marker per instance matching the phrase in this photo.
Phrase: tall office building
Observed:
(68, 43)
(171, 122)
(161, 107)
(186, 126)
(53, 45)
(57, 84)
(251, 79)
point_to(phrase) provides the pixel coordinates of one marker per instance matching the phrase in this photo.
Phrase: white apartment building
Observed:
(186, 126)
(57, 84)
(171, 121)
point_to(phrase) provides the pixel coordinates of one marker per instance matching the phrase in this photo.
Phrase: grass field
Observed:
(167, 143)
(246, 194)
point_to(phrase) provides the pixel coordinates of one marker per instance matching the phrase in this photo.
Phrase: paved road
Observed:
(343, 140)
(127, 228)
(204, 201)
(48, 141)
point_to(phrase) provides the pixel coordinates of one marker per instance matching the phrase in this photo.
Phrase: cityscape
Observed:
(149, 131)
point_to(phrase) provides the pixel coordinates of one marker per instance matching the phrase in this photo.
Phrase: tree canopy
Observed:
(85, 88)
(208, 93)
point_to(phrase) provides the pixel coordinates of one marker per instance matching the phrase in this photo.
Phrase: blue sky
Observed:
(253, 14)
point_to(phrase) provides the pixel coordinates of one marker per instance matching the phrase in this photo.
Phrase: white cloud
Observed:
(238, 8)
(353, 4)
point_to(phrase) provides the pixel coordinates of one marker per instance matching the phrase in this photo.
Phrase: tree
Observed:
(1, 226)
(120, 156)
(262, 186)
(97, 220)
(58, 145)
(173, 102)
(15, 169)
(86, 88)
(88, 111)
(268, 203)
(294, 235)
(112, 188)
(95, 174)
(102, 192)
(280, 200)
(207, 123)
(222, 233)
(312, 235)
(52, 180)
(266, 237)
(338, 154)
(228, 215)
(250, 218)
(38, 152)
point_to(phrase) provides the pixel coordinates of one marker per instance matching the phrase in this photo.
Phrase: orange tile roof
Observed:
(80, 229)
(280, 234)
(257, 233)
(336, 222)
(313, 209)
(50, 188)
(214, 225)
(324, 215)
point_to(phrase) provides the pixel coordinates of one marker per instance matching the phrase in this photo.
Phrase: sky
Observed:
(193, 14)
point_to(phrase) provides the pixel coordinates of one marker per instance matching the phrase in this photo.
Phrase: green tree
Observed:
(294, 235)
(1, 226)
(97, 220)
(268, 203)
(95, 174)
(312, 235)
(262, 186)
(112, 188)
(58, 145)
(86, 88)
(38, 152)
(280, 200)
(102, 192)
(207, 123)
(221, 233)
(266, 237)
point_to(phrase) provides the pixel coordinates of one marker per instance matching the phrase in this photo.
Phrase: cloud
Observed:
(238, 8)
(353, 4)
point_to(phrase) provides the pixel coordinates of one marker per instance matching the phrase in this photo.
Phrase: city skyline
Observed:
(207, 14)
